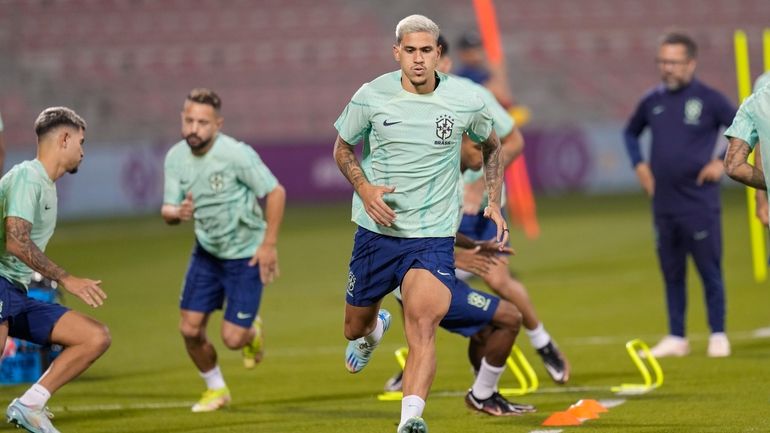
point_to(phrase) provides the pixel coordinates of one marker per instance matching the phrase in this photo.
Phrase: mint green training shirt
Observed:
(225, 184)
(412, 142)
(28, 193)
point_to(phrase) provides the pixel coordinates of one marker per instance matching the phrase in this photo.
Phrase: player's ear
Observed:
(220, 121)
(396, 53)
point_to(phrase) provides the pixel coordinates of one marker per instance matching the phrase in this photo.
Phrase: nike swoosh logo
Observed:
(699, 236)
(242, 316)
(657, 110)
(442, 273)
(386, 123)
(47, 207)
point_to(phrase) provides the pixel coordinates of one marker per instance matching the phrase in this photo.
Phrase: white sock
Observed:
(486, 380)
(539, 337)
(214, 378)
(411, 406)
(376, 335)
(36, 396)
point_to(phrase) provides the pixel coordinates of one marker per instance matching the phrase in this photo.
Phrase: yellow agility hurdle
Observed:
(634, 347)
(521, 368)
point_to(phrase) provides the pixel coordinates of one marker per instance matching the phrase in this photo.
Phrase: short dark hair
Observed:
(202, 95)
(53, 117)
(678, 38)
(443, 44)
(468, 40)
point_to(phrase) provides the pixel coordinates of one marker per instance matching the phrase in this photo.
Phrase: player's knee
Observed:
(508, 317)
(191, 332)
(102, 339)
(235, 340)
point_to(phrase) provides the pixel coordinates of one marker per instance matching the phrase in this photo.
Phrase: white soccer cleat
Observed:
(359, 352)
(670, 345)
(30, 419)
(719, 345)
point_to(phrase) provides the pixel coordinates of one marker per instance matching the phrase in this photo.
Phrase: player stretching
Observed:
(407, 201)
(28, 205)
(216, 180)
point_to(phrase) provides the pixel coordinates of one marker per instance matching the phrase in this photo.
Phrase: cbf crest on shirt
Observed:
(225, 184)
(412, 142)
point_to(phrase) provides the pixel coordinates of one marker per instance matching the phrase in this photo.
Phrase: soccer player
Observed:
(750, 127)
(682, 178)
(473, 225)
(28, 205)
(215, 180)
(762, 208)
(407, 201)
(491, 325)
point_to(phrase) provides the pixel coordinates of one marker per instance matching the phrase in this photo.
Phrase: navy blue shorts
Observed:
(28, 319)
(379, 263)
(470, 310)
(478, 227)
(210, 281)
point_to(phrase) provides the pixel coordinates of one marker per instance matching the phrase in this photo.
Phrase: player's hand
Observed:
(474, 260)
(85, 289)
(374, 204)
(267, 258)
(490, 247)
(493, 212)
(762, 208)
(646, 179)
(472, 197)
(186, 208)
(711, 172)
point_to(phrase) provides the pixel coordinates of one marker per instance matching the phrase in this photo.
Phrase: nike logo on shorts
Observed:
(242, 316)
(443, 273)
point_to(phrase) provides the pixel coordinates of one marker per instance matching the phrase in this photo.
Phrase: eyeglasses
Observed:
(671, 62)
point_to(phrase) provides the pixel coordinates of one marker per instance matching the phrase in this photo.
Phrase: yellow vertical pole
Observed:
(756, 231)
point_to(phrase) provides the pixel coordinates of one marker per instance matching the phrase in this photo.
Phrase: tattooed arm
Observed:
(371, 195)
(493, 170)
(20, 245)
(738, 168)
(493, 174)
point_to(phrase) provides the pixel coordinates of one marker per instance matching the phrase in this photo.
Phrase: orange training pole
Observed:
(521, 202)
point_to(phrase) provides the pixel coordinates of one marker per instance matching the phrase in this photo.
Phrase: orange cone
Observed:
(582, 412)
(594, 405)
(561, 419)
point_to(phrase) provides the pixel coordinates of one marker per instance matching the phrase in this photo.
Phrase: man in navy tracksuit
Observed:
(682, 177)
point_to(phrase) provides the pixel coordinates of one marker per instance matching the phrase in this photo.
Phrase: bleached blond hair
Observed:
(416, 24)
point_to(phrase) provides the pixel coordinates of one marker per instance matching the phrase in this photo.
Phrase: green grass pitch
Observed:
(592, 275)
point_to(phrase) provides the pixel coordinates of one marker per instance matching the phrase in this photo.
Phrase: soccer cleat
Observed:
(555, 363)
(359, 352)
(212, 399)
(254, 351)
(395, 383)
(670, 345)
(719, 345)
(497, 405)
(30, 419)
(414, 424)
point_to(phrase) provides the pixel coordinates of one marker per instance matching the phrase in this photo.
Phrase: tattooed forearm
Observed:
(19, 244)
(348, 163)
(738, 168)
(493, 170)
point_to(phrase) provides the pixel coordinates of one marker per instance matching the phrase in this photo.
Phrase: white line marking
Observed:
(119, 406)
